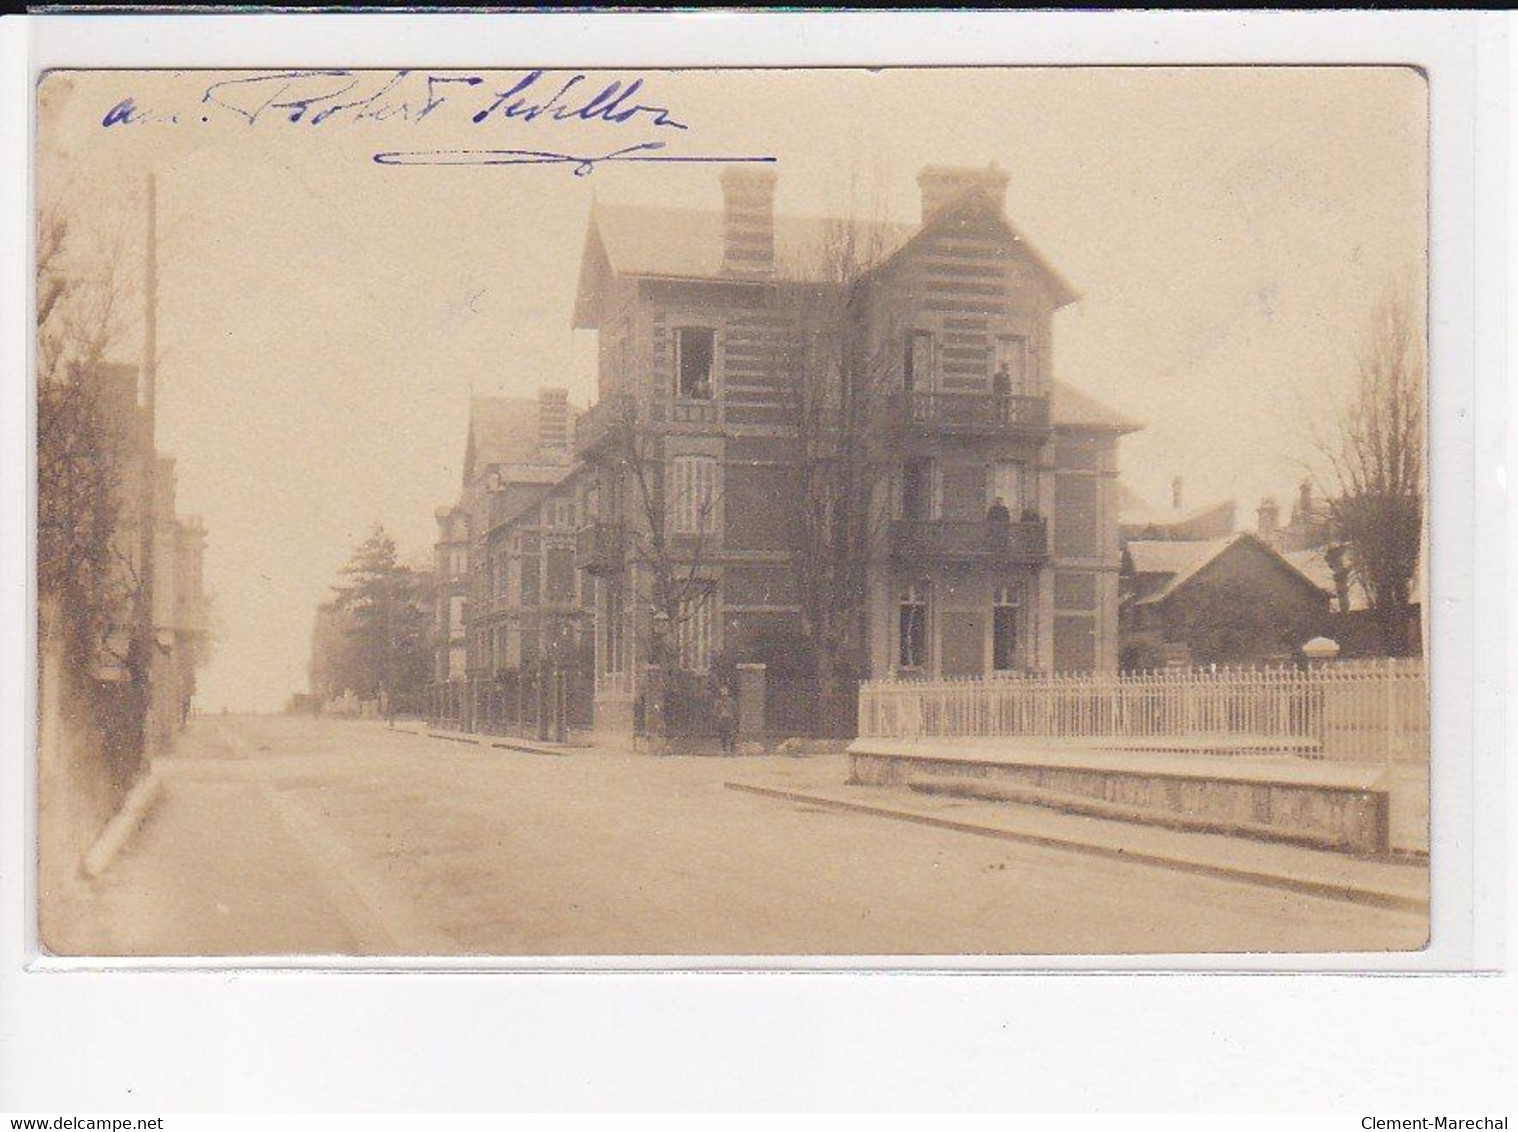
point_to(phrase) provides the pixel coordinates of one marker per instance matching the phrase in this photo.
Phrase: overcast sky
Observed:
(323, 318)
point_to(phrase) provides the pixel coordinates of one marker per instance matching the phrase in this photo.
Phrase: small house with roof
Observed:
(1233, 600)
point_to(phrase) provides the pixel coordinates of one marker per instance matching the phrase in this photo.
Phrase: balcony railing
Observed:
(596, 429)
(601, 548)
(922, 540)
(970, 411)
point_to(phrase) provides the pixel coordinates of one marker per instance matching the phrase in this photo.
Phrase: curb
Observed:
(1371, 897)
(125, 822)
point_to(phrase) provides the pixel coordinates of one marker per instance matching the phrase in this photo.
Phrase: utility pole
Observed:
(147, 642)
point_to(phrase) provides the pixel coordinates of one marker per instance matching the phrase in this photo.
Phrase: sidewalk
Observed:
(501, 742)
(1337, 876)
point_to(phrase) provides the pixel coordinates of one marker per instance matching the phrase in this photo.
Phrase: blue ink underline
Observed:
(584, 164)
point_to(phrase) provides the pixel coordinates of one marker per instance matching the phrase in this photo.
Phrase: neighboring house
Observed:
(1308, 528)
(695, 314)
(1232, 600)
(1137, 520)
(531, 616)
(517, 450)
(1307, 541)
(176, 602)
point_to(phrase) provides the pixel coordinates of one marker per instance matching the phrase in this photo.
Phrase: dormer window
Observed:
(695, 354)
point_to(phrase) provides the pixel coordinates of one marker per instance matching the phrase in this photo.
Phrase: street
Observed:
(298, 835)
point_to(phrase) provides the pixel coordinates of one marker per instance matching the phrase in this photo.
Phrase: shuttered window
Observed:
(694, 499)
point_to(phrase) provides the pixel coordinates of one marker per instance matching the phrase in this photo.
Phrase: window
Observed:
(455, 616)
(695, 351)
(912, 626)
(917, 490)
(559, 514)
(560, 570)
(917, 365)
(1006, 605)
(1010, 369)
(694, 635)
(1008, 485)
(694, 499)
(613, 656)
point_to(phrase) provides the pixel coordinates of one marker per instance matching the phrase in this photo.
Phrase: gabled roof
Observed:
(503, 430)
(1070, 408)
(680, 243)
(687, 244)
(1168, 556)
(1143, 515)
(1183, 561)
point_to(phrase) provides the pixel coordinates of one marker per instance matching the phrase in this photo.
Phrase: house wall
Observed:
(1086, 553)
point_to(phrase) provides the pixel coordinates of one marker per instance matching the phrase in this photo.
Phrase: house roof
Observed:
(686, 243)
(1314, 565)
(681, 243)
(503, 430)
(1183, 561)
(1070, 408)
(1143, 515)
(1170, 557)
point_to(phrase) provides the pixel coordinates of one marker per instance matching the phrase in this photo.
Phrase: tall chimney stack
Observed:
(748, 221)
(1269, 514)
(944, 186)
(1175, 493)
(553, 421)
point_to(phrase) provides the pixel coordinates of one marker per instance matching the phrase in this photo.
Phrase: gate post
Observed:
(751, 687)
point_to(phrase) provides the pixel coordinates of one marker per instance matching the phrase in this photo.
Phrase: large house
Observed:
(1001, 516)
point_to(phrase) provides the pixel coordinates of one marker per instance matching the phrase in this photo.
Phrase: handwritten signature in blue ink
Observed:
(313, 97)
(583, 164)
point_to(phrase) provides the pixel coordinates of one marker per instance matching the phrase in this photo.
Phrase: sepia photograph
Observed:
(958, 512)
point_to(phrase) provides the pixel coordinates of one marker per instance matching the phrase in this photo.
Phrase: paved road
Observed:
(283, 835)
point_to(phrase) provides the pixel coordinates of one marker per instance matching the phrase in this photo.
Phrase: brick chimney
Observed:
(944, 186)
(1269, 514)
(748, 221)
(553, 420)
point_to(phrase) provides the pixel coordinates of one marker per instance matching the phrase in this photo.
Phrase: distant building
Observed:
(1308, 541)
(1233, 600)
(517, 451)
(1138, 520)
(176, 602)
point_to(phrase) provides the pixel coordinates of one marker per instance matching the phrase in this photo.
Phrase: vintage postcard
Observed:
(959, 512)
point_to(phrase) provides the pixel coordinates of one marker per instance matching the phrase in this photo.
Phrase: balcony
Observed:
(601, 548)
(598, 428)
(920, 541)
(972, 413)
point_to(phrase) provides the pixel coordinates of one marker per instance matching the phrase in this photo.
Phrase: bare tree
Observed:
(83, 574)
(1375, 452)
(840, 379)
(677, 560)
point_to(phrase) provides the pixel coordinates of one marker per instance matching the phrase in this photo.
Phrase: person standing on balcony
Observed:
(1001, 393)
(999, 523)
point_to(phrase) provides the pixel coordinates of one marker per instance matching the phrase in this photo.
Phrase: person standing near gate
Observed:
(727, 720)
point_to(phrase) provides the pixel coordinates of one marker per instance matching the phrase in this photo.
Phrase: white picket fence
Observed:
(1363, 709)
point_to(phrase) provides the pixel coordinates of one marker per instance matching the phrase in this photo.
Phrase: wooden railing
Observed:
(970, 410)
(914, 540)
(1368, 709)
